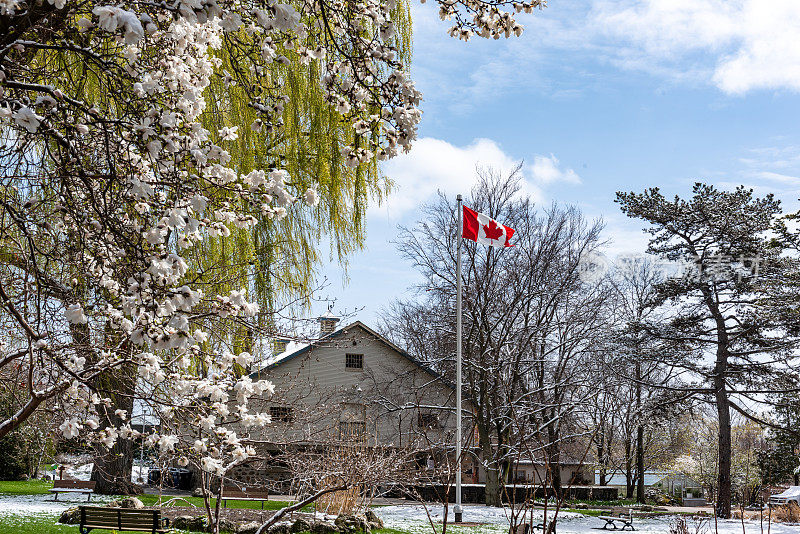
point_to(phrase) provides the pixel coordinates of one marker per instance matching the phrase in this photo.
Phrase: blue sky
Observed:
(594, 97)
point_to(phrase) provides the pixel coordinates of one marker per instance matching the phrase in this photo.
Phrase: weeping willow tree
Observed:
(280, 258)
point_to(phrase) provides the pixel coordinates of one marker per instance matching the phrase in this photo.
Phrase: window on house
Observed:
(428, 421)
(281, 414)
(354, 361)
(352, 430)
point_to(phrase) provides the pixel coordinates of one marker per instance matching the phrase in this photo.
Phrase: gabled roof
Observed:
(290, 354)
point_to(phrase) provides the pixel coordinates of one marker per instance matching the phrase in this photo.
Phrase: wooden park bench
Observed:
(618, 520)
(234, 493)
(122, 519)
(73, 486)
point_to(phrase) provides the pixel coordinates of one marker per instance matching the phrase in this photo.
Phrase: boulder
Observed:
(324, 527)
(126, 502)
(199, 491)
(248, 528)
(187, 522)
(301, 525)
(352, 523)
(375, 522)
(226, 525)
(70, 516)
(181, 522)
(284, 527)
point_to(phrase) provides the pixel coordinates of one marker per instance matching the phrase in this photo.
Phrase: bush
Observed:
(789, 513)
(12, 462)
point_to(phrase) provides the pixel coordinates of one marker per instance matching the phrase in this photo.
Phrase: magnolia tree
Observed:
(111, 185)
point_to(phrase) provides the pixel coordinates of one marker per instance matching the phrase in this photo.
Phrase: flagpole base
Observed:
(459, 517)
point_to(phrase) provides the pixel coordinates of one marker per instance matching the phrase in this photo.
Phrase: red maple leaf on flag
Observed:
(493, 230)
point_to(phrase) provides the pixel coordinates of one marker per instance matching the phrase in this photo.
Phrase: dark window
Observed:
(281, 414)
(352, 430)
(428, 420)
(354, 361)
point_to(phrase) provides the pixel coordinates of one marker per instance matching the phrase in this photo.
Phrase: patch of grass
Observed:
(618, 502)
(35, 524)
(25, 487)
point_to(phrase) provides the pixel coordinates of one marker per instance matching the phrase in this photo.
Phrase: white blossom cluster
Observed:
(116, 177)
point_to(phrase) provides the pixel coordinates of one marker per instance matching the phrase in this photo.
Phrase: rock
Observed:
(375, 522)
(352, 523)
(324, 527)
(127, 502)
(187, 522)
(301, 525)
(198, 491)
(646, 508)
(226, 525)
(248, 528)
(70, 516)
(581, 506)
(283, 527)
(182, 522)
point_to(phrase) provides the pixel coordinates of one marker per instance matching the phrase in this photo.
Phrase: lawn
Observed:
(24, 487)
(38, 524)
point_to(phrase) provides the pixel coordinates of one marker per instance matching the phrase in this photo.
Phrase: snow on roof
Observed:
(791, 491)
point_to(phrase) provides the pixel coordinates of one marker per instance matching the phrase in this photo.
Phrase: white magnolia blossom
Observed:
(74, 314)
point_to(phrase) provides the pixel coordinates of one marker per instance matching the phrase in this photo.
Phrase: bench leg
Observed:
(88, 497)
(262, 505)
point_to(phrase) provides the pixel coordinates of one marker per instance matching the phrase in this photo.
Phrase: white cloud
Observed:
(737, 45)
(745, 44)
(434, 164)
(546, 170)
(780, 178)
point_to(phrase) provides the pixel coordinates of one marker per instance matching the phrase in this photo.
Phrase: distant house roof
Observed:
(294, 350)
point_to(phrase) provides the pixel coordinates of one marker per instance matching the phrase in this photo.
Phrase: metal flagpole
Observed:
(457, 508)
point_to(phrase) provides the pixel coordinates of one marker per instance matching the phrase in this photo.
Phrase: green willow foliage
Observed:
(283, 256)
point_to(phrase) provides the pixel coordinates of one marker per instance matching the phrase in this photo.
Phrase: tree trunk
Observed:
(640, 464)
(493, 490)
(601, 455)
(113, 467)
(554, 460)
(724, 466)
(629, 482)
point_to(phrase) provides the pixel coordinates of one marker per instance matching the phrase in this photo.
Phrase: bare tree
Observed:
(529, 318)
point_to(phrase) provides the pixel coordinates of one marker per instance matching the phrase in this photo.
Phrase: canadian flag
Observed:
(481, 229)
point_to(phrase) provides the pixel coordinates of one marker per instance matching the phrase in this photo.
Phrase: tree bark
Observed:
(724, 467)
(554, 460)
(113, 467)
(629, 482)
(640, 464)
(493, 490)
(601, 454)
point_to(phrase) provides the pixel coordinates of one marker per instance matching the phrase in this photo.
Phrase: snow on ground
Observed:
(29, 505)
(412, 518)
